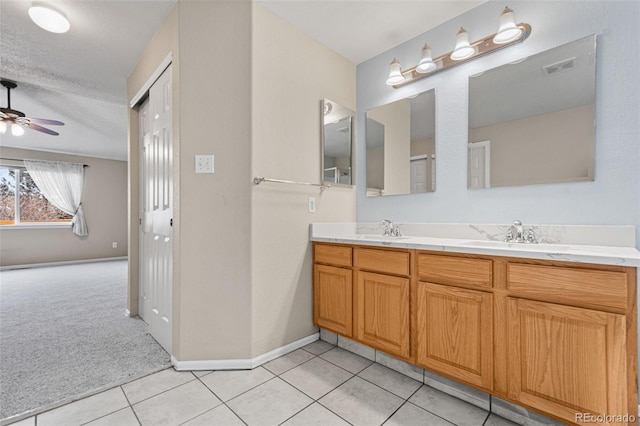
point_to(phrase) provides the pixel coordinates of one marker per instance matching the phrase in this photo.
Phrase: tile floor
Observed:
(320, 384)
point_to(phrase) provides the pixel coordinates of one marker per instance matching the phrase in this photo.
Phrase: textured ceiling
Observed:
(80, 77)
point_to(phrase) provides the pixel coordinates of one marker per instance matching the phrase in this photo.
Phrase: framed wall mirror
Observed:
(337, 137)
(401, 152)
(532, 121)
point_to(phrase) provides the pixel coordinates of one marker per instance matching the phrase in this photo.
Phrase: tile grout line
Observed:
(159, 393)
(131, 406)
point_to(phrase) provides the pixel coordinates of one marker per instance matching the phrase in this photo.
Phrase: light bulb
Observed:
(3, 127)
(426, 63)
(17, 130)
(463, 49)
(508, 31)
(49, 19)
(395, 73)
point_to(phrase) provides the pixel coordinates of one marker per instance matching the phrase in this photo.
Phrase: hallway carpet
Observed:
(64, 335)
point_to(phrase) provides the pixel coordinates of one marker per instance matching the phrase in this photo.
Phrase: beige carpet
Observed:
(63, 334)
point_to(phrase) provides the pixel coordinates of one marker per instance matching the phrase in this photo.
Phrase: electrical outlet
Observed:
(114, 245)
(312, 205)
(204, 163)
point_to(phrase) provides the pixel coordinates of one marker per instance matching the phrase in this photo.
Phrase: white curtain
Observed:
(61, 184)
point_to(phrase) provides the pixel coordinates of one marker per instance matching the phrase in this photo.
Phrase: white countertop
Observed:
(351, 233)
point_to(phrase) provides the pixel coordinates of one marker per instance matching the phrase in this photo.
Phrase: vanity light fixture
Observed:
(395, 73)
(509, 33)
(49, 19)
(426, 64)
(463, 49)
(508, 30)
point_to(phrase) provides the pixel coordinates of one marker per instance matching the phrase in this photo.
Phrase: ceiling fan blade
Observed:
(46, 121)
(43, 129)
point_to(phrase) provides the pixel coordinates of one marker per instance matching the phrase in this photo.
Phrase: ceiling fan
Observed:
(16, 120)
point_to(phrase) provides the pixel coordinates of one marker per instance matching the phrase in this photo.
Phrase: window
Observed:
(26, 205)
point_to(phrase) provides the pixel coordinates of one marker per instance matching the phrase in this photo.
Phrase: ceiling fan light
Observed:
(463, 49)
(3, 127)
(426, 63)
(395, 73)
(508, 30)
(49, 19)
(17, 130)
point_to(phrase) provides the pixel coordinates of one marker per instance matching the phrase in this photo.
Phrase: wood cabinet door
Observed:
(383, 312)
(333, 299)
(567, 361)
(455, 332)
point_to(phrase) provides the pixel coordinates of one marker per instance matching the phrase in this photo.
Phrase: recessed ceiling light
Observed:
(49, 19)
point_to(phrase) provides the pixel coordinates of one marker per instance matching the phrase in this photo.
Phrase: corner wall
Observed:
(292, 73)
(104, 201)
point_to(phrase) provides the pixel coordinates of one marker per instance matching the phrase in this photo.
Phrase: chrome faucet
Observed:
(390, 230)
(518, 234)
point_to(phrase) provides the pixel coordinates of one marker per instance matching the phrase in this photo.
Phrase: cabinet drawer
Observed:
(569, 285)
(386, 261)
(332, 254)
(453, 270)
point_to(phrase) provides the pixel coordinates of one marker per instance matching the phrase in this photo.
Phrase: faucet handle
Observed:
(531, 237)
(509, 237)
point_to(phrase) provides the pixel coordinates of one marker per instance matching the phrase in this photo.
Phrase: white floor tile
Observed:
(318, 347)
(390, 380)
(156, 383)
(494, 420)
(315, 415)
(85, 410)
(124, 417)
(229, 384)
(177, 405)
(411, 415)
(362, 403)
(347, 360)
(29, 421)
(200, 373)
(271, 403)
(446, 406)
(316, 377)
(287, 362)
(220, 415)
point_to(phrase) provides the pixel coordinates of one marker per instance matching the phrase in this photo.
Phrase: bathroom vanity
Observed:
(551, 327)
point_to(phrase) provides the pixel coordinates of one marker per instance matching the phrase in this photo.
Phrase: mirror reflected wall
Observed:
(401, 153)
(533, 121)
(337, 137)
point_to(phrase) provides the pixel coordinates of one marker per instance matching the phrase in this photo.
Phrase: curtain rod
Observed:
(22, 159)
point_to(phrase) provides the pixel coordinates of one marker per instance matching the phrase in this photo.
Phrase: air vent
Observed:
(558, 67)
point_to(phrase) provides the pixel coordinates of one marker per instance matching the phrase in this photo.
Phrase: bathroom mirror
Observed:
(532, 121)
(337, 134)
(401, 153)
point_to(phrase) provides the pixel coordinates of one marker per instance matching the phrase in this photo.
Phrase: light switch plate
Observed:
(312, 205)
(204, 163)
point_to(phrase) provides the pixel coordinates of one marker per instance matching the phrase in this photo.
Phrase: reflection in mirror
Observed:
(532, 121)
(337, 133)
(401, 151)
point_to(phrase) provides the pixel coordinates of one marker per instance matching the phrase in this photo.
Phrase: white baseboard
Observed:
(65, 262)
(243, 364)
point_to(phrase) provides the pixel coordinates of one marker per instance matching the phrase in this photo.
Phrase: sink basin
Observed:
(517, 246)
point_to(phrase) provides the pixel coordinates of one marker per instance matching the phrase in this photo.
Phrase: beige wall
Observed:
(291, 74)
(375, 167)
(104, 199)
(242, 259)
(423, 147)
(554, 147)
(396, 118)
(215, 118)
